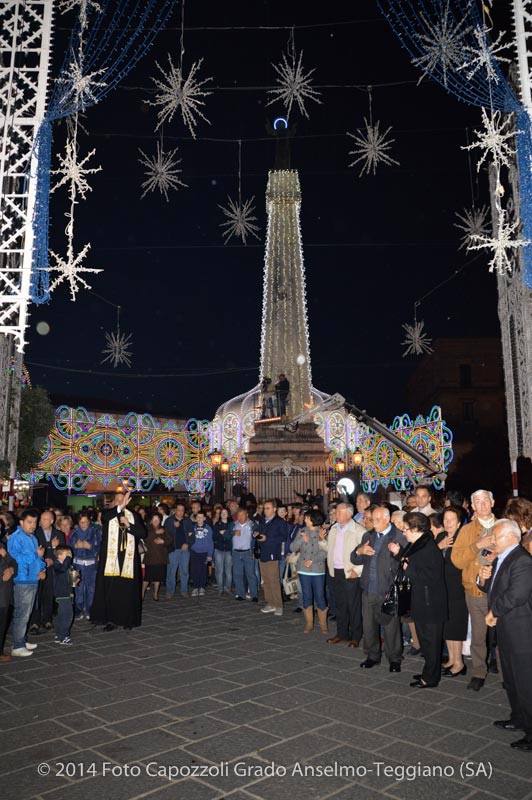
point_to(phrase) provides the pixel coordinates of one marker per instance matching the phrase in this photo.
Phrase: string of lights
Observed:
(438, 38)
(110, 51)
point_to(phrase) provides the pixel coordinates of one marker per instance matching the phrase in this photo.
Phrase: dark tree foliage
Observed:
(36, 420)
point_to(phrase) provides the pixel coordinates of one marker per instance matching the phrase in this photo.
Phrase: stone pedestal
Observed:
(283, 464)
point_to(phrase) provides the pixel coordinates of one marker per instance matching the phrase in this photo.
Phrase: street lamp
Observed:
(340, 465)
(358, 459)
(216, 460)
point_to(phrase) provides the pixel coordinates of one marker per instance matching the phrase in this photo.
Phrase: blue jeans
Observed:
(24, 598)
(84, 591)
(177, 560)
(63, 620)
(244, 563)
(224, 569)
(313, 588)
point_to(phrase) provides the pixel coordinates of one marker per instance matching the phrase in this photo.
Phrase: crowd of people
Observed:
(468, 574)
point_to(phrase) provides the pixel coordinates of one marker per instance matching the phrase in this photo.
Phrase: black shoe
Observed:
(254, 599)
(297, 610)
(421, 685)
(523, 744)
(395, 666)
(418, 677)
(332, 617)
(47, 626)
(237, 597)
(109, 627)
(507, 725)
(493, 668)
(449, 674)
(34, 629)
(368, 663)
(476, 684)
(414, 651)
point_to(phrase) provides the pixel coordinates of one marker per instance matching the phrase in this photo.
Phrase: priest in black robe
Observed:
(118, 592)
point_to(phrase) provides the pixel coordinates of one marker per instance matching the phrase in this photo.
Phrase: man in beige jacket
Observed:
(466, 555)
(344, 537)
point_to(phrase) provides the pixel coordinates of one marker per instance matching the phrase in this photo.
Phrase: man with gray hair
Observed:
(362, 502)
(343, 537)
(508, 587)
(470, 551)
(380, 568)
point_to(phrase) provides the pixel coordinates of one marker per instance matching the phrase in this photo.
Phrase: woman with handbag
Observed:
(423, 564)
(311, 566)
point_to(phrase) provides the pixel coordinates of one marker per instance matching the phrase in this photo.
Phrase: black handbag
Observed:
(398, 598)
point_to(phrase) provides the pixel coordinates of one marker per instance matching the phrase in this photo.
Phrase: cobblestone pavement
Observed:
(208, 682)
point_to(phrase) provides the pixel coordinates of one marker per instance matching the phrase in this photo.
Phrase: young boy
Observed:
(63, 594)
(201, 552)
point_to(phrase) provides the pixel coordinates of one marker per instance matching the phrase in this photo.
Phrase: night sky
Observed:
(372, 245)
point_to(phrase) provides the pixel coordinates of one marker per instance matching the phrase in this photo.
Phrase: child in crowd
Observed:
(63, 595)
(201, 552)
(85, 542)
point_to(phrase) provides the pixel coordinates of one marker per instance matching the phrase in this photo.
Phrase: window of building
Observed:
(465, 375)
(468, 411)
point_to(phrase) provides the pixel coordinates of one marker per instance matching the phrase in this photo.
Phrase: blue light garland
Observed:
(411, 22)
(118, 36)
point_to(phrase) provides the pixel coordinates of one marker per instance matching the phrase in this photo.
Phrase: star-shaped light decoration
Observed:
(294, 84)
(70, 269)
(502, 244)
(118, 348)
(84, 6)
(371, 148)
(73, 171)
(484, 56)
(473, 222)
(78, 87)
(175, 92)
(416, 339)
(161, 171)
(494, 139)
(442, 43)
(240, 219)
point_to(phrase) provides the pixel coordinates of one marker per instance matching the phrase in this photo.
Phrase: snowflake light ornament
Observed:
(442, 43)
(118, 348)
(473, 222)
(240, 219)
(84, 6)
(371, 148)
(79, 88)
(74, 172)
(69, 269)
(494, 139)
(175, 92)
(484, 56)
(161, 171)
(501, 245)
(416, 339)
(294, 84)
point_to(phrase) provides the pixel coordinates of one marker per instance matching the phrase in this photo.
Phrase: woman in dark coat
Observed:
(424, 566)
(158, 543)
(455, 629)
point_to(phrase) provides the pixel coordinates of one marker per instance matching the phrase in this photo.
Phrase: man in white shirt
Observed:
(422, 495)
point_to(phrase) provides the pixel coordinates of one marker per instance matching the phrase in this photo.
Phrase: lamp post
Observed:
(358, 459)
(224, 469)
(216, 461)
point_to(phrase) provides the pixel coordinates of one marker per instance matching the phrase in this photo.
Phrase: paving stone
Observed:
(139, 745)
(200, 727)
(413, 730)
(127, 708)
(244, 713)
(355, 736)
(296, 749)
(145, 722)
(457, 720)
(35, 754)
(31, 734)
(236, 743)
(291, 723)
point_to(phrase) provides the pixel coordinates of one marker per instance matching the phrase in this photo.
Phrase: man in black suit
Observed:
(48, 537)
(508, 583)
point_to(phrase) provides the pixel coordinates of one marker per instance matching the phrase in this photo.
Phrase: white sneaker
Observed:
(202, 592)
(31, 646)
(268, 610)
(195, 592)
(21, 652)
(278, 612)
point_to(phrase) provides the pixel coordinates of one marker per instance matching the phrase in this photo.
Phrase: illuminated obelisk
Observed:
(284, 339)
